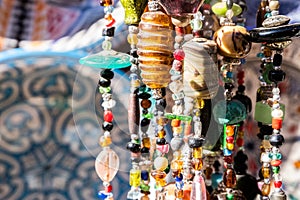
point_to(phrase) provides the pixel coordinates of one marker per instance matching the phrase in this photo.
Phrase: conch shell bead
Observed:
(233, 41)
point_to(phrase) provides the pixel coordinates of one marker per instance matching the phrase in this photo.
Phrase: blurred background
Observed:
(49, 107)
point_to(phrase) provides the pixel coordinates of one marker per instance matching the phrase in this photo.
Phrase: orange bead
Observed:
(175, 122)
(229, 130)
(276, 123)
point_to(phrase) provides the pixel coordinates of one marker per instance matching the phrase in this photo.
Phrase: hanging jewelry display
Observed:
(107, 161)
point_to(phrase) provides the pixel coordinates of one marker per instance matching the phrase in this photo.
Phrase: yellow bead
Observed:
(274, 5)
(177, 165)
(135, 177)
(177, 130)
(146, 142)
(162, 121)
(199, 103)
(105, 141)
(230, 146)
(179, 193)
(197, 152)
(132, 39)
(161, 134)
(266, 172)
(197, 163)
(229, 130)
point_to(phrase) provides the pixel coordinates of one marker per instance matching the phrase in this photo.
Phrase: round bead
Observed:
(275, 163)
(161, 141)
(132, 39)
(229, 131)
(160, 163)
(178, 54)
(239, 142)
(197, 163)
(107, 74)
(108, 116)
(230, 139)
(133, 147)
(176, 143)
(107, 126)
(146, 103)
(104, 82)
(276, 123)
(145, 175)
(106, 45)
(230, 146)
(175, 122)
(274, 5)
(276, 140)
(195, 142)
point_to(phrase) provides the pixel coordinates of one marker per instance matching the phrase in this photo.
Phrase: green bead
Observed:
(133, 10)
(103, 90)
(145, 187)
(184, 118)
(220, 9)
(275, 170)
(278, 156)
(148, 115)
(170, 116)
(231, 112)
(265, 74)
(229, 196)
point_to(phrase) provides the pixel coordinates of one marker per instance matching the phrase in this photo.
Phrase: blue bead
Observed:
(243, 61)
(229, 75)
(179, 178)
(144, 175)
(102, 195)
(227, 152)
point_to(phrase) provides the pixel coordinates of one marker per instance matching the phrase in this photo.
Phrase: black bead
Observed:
(276, 140)
(229, 86)
(277, 59)
(241, 88)
(276, 75)
(160, 104)
(133, 53)
(133, 147)
(195, 142)
(161, 141)
(104, 82)
(145, 150)
(107, 126)
(229, 4)
(110, 32)
(144, 95)
(266, 130)
(145, 125)
(107, 74)
(244, 100)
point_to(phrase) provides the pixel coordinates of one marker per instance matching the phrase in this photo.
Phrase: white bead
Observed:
(276, 91)
(106, 133)
(160, 163)
(109, 104)
(277, 113)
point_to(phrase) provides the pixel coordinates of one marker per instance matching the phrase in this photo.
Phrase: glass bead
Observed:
(227, 152)
(276, 123)
(106, 2)
(108, 116)
(179, 54)
(229, 139)
(277, 184)
(160, 163)
(175, 123)
(162, 121)
(177, 165)
(277, 113)
(132, 39)
(195, 142)
(230, 146)
(164, 149)
(134, 177)
(220, 9)
(229, 178)
(105, 141)
(177, 130)
(277, 59)
(145, 175)
(197, 152)
(133, 10)
(199, 103)
(107, 164)
(197, 163)
(274, 5)
(161, 134)
(133, 147)
(266, 172)
(239, 142)
(146, 103)
(276, 75)
(106, 45)
(107, 126)
(275, 169)
(146, 142)
(179, 193)
(158, 175)
(176, 143)
(145, 197)
(185, 118)
(231, 112)
(230, 131)
(103, 90)
(144, 95)
(275, 163)
(107, 74)
(265, 190)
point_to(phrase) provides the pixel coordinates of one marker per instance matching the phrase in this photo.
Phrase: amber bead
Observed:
(179, 193)
(197, 152)
(146, 103)
(265, 189)
(132, 39)
(266, 172)
(161, 134)
(229, 178)
(177, 165)
(199, 103)
(208, 172)
(145, 198)
(197, 163)
(146, 142)
(162, 121)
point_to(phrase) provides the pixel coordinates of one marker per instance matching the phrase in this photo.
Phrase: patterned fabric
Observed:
(50, 126)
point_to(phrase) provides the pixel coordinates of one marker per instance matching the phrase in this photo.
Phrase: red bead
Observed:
(241, 81)
(108, 116)
(277, 184)
(228, 159)
(179, 30)
(179, 54)
(276, 123)
(275, 163)
(229, 139)
(108, 188)
(239, 142)
(240, 74)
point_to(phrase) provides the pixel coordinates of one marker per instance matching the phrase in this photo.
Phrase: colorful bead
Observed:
(108, 116)
(134, 177)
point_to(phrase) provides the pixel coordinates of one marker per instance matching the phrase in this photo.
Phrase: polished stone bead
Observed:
(276, 140)
(146, 103)
(108, 31)
(133, 147)
(276, 75)
(107, 126)
(195, 142)
(107, 74)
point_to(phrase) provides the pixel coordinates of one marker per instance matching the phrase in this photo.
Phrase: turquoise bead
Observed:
(229, 112)
(107, 60)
